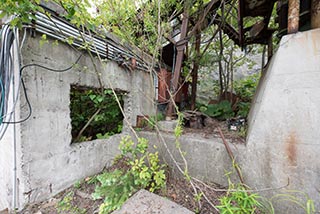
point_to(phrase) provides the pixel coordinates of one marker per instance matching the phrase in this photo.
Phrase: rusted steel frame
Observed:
(230, 153)
(240, 22)
(181, 45)
(205, 13)
(293, 16)
(195, 71)
(315, 14)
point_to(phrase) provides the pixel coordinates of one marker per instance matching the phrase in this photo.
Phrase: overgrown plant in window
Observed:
(94, 114)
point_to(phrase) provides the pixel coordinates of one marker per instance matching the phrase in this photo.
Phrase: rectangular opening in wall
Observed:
(95, 113)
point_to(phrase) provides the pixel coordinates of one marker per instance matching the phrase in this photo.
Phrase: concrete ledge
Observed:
(167, 126)
(207, 158)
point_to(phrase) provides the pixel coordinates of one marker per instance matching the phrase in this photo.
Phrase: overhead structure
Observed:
(292, 16)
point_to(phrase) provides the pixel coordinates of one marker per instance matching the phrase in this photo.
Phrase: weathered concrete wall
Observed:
(283, 141)
(47, 161)
(207, 158)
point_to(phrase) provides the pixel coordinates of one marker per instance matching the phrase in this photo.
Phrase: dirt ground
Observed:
(77, 199)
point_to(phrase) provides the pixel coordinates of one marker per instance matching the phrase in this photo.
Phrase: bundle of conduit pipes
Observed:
(9, 92)
(8, 35)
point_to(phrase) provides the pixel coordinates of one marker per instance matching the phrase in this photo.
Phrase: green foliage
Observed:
(239, 201)
(178, 129)
(243, 109)
(77, 185)
(84, 103)
(144, 172)
(296, 198)
(245, 88)
(22, 10)
(65, 205)
(152, 121)
(222, 110)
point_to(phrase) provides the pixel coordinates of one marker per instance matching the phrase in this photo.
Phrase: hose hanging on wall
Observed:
(7, 76)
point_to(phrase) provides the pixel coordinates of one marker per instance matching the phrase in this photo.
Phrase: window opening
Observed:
(94, 115)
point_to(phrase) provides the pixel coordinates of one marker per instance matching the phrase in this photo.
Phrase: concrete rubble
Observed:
(145, 202)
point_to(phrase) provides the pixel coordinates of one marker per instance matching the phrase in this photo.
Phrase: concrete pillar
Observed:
(315, 14)
(293, 16)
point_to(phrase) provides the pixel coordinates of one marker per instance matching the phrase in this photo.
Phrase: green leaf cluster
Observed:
(245, 88)
(222, 110)
(239, 201)
(22, 10)
(66, 206)
(145, 173)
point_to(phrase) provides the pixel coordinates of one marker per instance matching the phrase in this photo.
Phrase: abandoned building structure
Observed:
(38, 160)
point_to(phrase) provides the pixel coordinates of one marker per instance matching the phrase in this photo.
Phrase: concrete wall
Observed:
(283, 142)
(284, 138)
(207, 157)
(48, 163)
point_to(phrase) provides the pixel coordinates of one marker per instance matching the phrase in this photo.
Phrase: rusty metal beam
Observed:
(202, 19)
(315, 14)
(293, 16)
(181, 45)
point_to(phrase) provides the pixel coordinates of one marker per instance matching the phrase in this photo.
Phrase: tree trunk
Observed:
(220, 63)
(195, 70)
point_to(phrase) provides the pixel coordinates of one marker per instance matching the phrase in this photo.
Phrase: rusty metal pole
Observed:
(293, 16)
(181, 45)
(315, 14)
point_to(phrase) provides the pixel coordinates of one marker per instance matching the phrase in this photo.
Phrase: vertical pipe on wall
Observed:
(14, 191)
(293, 16)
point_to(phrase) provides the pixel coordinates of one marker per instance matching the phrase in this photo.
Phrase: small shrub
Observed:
(222, 110)
(239, 201)
(243, 109)
(145, 173)
(246, 88)
(66, 206)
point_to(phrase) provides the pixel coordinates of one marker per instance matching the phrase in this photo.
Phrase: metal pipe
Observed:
(56, 26)
(14, 194)
(76, 42)
(67, 33)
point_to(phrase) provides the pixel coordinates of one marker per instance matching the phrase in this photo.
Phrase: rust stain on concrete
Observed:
(291, 149)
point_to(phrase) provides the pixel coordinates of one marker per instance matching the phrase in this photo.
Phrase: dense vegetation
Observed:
(94, 114)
